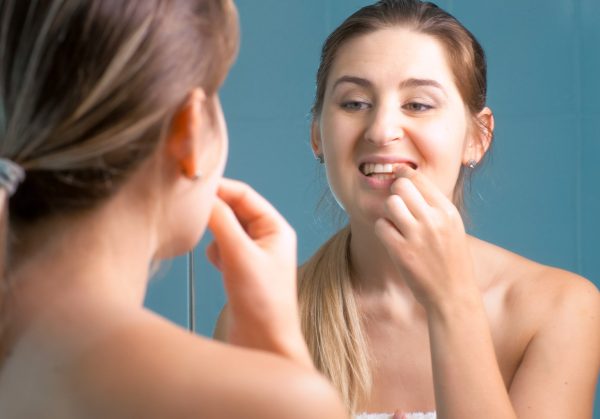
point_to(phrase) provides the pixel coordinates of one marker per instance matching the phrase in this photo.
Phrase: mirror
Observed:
(536, 195)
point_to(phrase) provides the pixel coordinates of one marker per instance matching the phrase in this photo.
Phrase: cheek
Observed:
(340, 135)
(441, 146)
(337, 145)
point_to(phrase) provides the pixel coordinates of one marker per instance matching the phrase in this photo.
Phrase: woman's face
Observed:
(390, 100)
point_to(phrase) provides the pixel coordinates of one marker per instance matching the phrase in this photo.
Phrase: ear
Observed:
(481, 138)
(182, 140)
(315, 138)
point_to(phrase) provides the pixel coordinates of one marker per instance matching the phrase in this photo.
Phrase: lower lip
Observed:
(378, 183)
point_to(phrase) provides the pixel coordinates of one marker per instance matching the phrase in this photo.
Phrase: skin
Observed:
(82, 344)
(455, 324)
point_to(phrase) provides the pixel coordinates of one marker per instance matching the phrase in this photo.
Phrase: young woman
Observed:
(112, 145)
(402, 309)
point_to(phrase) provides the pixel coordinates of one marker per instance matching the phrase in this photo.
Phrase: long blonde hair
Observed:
(331, 318)
(87, 90)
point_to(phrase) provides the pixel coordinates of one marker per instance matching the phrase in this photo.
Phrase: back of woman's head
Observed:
(87, 88)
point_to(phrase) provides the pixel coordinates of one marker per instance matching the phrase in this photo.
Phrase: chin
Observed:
(180, 244)
(373, 207)
(367, 216)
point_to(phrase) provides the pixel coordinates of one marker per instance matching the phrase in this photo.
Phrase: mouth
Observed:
(383, 170)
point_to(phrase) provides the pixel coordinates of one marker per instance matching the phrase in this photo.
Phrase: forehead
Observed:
(393, 54)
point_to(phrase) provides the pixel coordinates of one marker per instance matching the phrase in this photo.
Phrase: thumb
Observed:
(228, 233)
(213, 255)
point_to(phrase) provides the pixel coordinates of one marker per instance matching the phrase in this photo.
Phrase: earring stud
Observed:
(320, 158)
(197, 175)
(471, 164)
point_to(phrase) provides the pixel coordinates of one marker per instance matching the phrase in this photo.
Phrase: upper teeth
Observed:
(370, 168)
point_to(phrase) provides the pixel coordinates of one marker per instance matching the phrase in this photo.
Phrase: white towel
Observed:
(416, 415)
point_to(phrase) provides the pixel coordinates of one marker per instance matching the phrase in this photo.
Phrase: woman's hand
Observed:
(425, 237)
(255, 249)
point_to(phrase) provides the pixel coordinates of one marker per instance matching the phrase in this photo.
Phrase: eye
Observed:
(417, 107)
(355, 105)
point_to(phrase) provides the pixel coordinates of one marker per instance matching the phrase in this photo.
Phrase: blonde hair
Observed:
(330, 315)
(330, 319)
(87, 90)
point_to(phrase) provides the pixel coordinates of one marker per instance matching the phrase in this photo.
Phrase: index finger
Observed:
(253, 211)
(433, 196)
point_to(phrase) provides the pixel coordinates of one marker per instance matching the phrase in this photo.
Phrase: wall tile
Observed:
(275, 71)
(538, 195)
(590, 200)
(524, 198)
(590, 55)
(530, 47)
(167, 291)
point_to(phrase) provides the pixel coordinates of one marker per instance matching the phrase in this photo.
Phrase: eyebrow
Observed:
(352, 79)
(412, 82)
(421, 82)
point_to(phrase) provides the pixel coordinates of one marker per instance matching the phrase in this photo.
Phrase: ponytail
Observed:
(331, 322)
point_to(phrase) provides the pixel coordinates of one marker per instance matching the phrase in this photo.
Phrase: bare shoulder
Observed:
(157, 370)
(525, 279)
(570, 304)
(535, 296)
(547, 327)
(553, 287)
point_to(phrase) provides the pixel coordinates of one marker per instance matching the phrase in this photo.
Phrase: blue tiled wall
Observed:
(538, 194)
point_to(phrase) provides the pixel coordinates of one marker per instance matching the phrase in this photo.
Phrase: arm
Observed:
(175, 374)
(425, 238)
(467, 379)
(556, 377)
(151, 369)
(255, 249)
(558, 373)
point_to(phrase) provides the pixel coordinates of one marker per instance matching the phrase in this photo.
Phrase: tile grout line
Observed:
(578, 86)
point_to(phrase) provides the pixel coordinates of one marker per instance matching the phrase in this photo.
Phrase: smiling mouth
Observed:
(382, 170)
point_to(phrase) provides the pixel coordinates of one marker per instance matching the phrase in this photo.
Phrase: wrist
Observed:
(285, 341)
(293, 347)
(465, 307)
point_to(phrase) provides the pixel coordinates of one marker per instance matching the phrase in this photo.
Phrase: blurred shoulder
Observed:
(158, 370)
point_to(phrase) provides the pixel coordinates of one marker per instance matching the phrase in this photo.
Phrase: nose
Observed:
(385, 125)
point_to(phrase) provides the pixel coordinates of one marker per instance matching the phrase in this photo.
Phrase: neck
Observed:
(375, 273)
(102, 255)
(373, 268)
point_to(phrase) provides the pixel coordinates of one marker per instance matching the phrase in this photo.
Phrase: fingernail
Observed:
(403, 170)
